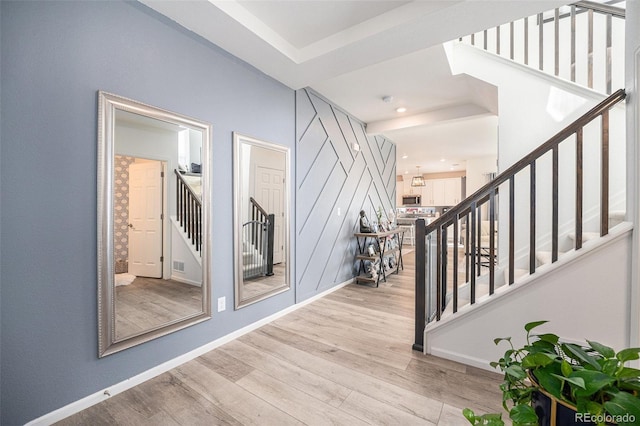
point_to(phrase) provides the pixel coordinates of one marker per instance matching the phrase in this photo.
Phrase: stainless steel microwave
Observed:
(411, 200)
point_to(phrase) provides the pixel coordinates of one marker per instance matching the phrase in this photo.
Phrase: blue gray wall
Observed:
(335, 182)
(55, 56)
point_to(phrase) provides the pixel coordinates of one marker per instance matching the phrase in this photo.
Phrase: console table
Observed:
(381, 242)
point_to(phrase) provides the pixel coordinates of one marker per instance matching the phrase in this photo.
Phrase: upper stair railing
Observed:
(565, 43)
(189, 211)
(432, 272)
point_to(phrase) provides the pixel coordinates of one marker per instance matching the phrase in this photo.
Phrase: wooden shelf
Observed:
(365, 257)
(381, 239)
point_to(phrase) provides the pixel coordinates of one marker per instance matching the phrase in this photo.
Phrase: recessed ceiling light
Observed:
(401, 109)
(406, 172)
(404, 157)
(442, 160)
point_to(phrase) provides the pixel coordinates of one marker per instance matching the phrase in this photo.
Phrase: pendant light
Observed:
(418, 180)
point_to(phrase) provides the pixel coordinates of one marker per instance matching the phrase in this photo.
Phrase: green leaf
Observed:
(621, 404)
(523, 415)
(530, 326)
(516, 371)
(628, 373)
(629, 385)
(629, 354)
(576, 381)
(603, 350)
(579, 354)
(537, 360)
(500, 339)
(593, 381)
(585, 405)
(549, 338)
(594, 408)
(491, 419)
(566, 368)
(548, 382)
(469, 415)
(541, 346)
(610, 366)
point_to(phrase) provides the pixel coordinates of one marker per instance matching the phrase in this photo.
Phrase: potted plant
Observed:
(586, 384)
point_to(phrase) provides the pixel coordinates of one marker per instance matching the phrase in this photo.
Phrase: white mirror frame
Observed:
(107, 106)
(238, 140)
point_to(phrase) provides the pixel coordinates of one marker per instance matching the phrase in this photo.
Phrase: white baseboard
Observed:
(97, 397)
(186, 281)
(463, 359)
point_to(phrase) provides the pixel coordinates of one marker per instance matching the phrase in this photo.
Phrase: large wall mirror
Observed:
(261, 212)
(153, 222)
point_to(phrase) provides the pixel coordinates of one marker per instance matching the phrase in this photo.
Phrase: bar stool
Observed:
(411, 234)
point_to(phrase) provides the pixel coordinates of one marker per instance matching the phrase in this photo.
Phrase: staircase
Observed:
(189, 210)
(551, 224)
(257, 242)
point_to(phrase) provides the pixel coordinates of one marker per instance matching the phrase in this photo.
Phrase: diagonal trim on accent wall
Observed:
(335, 183)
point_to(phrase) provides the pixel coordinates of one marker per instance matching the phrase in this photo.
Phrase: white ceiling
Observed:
(356, 52)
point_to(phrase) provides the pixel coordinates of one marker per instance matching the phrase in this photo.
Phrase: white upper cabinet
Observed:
(435, 192)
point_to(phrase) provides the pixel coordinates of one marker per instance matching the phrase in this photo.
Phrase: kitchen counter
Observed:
(411, 220)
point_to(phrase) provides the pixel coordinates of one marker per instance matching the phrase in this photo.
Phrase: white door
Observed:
(269, 191)
(145, 219)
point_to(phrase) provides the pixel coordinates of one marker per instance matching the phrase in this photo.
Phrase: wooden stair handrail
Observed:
(503, 177)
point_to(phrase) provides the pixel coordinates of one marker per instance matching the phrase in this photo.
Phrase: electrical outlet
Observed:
(222, 304)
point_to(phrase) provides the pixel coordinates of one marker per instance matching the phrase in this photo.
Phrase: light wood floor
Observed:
(147, 303)
(345, 359)
(260, 285)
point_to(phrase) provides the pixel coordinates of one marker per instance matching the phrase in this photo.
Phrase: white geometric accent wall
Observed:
(333, 183)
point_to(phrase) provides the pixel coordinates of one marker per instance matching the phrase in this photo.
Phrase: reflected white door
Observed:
(145, 219)
(270, 195)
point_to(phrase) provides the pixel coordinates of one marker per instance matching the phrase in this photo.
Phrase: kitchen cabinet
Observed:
(442, 192)
(427, 193)
(435, 192)
(452, 191)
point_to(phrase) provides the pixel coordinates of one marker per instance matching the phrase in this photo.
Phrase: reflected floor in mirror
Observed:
(147, 303)
(257, 286)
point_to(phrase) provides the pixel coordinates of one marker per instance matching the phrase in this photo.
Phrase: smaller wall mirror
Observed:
(153, 222)
(261, 219)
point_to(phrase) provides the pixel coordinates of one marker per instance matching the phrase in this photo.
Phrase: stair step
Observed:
(544, 257)
(517, 273)
(586, 236)
(616, 218)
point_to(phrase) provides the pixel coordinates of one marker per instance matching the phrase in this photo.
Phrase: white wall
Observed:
(182, 252)
(533, 107)
(477, 169)
(633, 158)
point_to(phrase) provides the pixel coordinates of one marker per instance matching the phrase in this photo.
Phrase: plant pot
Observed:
(553, 412)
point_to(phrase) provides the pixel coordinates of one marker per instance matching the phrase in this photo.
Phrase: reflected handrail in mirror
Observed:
(189, 210)
(258, 239)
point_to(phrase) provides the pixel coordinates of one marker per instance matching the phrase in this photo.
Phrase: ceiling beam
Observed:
(454, 112)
